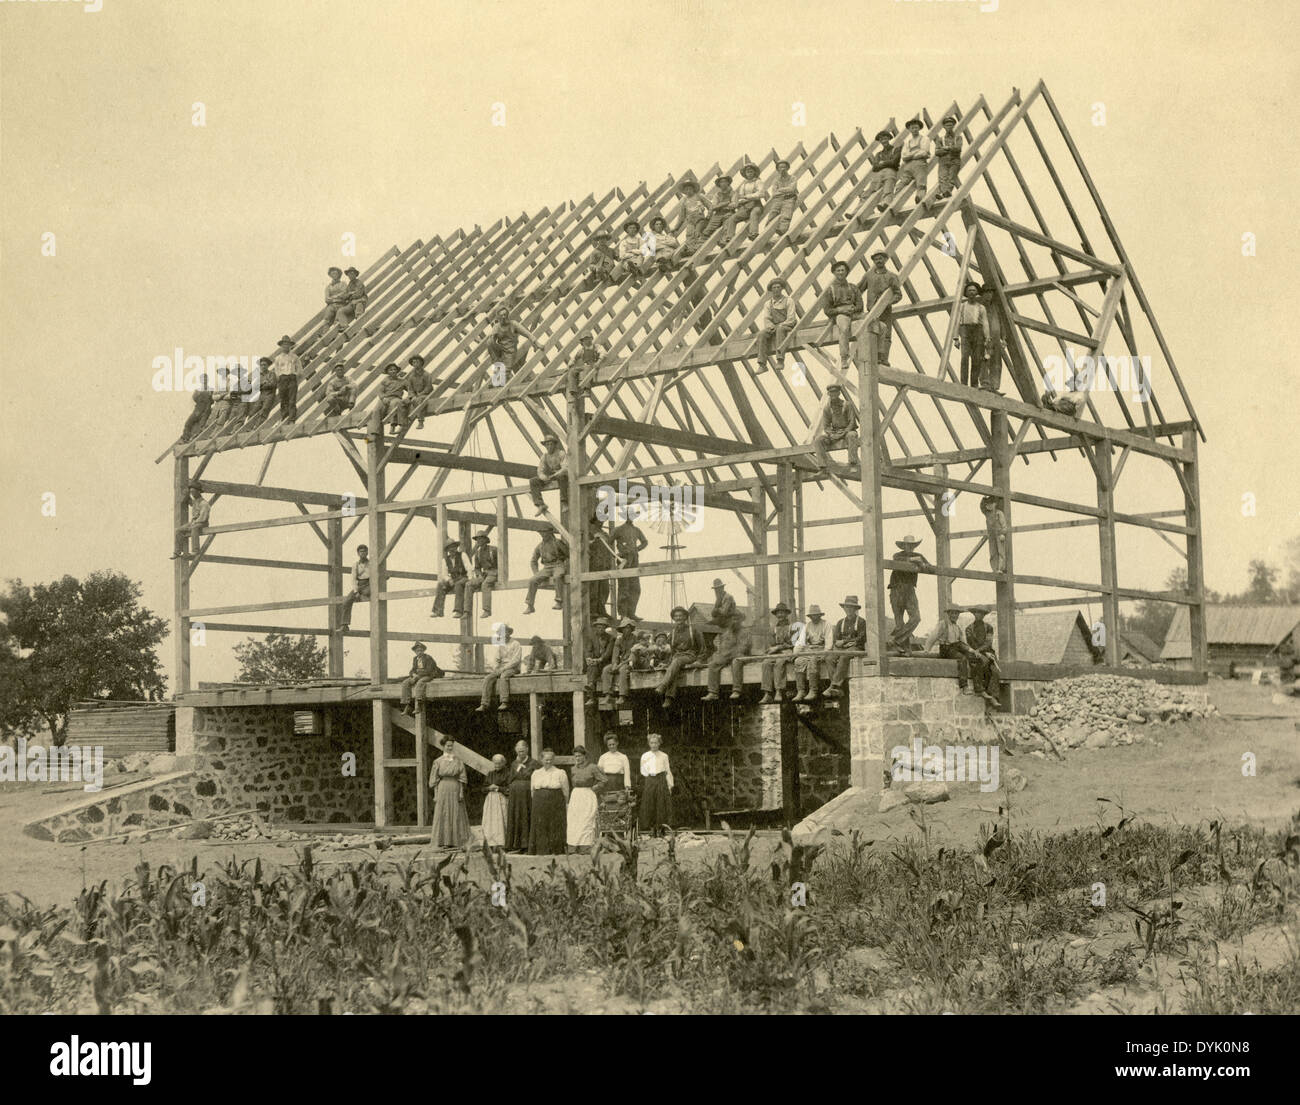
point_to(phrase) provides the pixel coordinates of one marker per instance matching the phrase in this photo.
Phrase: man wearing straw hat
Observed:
(775, 324)
(995, 522)
(452, 581)
(750, 198)
(424, 668)
(947, 153)
(686, 645)
(837, 428)
(550, 473)
(881, 280)
(843, 303)
(902, 596)
(985, 673)
(947, 634)
(785, 194)
(972, 334)
(849, 634)
(808, 650)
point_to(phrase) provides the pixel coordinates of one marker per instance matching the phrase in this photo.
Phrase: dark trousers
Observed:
(598, 597)
(972, 353)
(454, 586)
(907, 615)
(668, 683)
(286, 387)
(986, 676)
(629, 594)
(197, 417)
(361, 591)
(484, 583)
(536, 485)
(952, 651)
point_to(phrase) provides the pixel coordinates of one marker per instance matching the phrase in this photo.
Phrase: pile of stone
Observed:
(1097, 711)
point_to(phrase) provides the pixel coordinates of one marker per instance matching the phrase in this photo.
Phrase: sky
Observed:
(323, 119)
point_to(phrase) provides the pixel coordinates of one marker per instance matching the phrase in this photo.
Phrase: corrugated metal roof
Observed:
(1231, 625)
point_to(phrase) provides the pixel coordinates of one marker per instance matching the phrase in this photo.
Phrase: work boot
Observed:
(528, 609)
(710, 697)
(767, 699)
(734, 696)
(830, 692)
(505, 705)
(480, 709)
(558, 606)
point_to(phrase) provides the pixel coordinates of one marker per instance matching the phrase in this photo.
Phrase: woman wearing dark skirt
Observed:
(519, 799)
(550, 788)
(656, 809)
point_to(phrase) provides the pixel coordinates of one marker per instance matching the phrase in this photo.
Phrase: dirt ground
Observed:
(1186, 773)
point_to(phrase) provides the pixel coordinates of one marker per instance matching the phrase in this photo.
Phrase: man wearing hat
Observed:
(995, 521)
(452, 581)
(775, 324)
(837, 428)
(338, 392)
(883, 177)
(630, 256)
(200, 511)
(972, 334)
(785, 194)
(750, 198)
(266, 383)
(550, 473)
(902, 596)
(985, 673)
(600, 266)
(843, 304)
(947, 152)
(659, 245)
(686, 649)
(722, 205)
(724, 606)
(504, 348)
(619, 666)
(202, 409)
(357, 296)
(509, 659)
(423, 669)
(550, 566)
(484, 565)
(288, 369)
(729, 649)
(779, 653)
(360, 586)
(600, 558)
(541, 657)
(336, 295)
(882, 281)
(694, 218)
(587, 356)
(915, 156)
(392, 386)
(990, 376)
(628, 543)
(849, 634)
(947, 634)
(419, 386)
(597, 651)
(810, 647)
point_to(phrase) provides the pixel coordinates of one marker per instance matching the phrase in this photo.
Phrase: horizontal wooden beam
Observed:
(277, 494)
(717, 563)
(1022, 231)
(435, 459)
(628, 430)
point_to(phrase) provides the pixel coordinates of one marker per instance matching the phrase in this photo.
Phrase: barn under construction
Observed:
(677, 398)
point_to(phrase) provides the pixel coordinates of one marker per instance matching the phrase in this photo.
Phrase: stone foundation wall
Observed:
(892, 711)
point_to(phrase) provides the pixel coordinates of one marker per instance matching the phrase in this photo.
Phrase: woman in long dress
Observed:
(583, 803)
(519, 799)
(656, 809)
(550, 788)
(494, 804)
(450, 821)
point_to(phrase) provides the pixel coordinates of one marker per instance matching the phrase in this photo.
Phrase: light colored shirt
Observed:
(783, 185)
(917, 148)
(776, 310)
(510, 653)
(550, 464)
(656, 763)
(816, 637)
(611, 763)
(287, 362)
(360, 571)
(199, 513)
(947, 632)
(973, 314)
(551, 778)
(336, 292)
(750, 191)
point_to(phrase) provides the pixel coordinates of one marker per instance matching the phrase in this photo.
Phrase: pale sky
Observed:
(325, 118)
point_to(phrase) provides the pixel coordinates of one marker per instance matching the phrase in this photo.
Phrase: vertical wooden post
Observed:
(535, 724)
(873, 592)
(471, 655)
(1005, 587)
(942, 542)
(785, 535)
(579, 723)
(761, 603)
(181, 574)
(382, 719)
(1106, 540)
(576, 523)
(1195, 561)
(334, 530)
(376, 497)
(801, 579)
(502, 542)
(421, 768)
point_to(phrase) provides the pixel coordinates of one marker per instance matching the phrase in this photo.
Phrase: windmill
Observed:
(669, 516)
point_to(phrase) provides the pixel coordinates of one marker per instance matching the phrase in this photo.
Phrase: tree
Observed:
(72, 640)
(1263, 583)
(280, 659)
(1153, 617)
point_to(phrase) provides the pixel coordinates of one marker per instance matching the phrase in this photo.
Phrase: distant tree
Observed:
(280, 658)
(1263, 583)
(1293, 569)
(1153, 617)
(72, 640)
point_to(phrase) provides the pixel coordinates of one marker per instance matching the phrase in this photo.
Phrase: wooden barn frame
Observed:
(676, 399)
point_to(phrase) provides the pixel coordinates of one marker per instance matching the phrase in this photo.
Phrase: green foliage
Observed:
(72, 640)
(279, 658)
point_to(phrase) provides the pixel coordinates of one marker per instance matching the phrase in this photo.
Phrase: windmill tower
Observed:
(668, 518)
